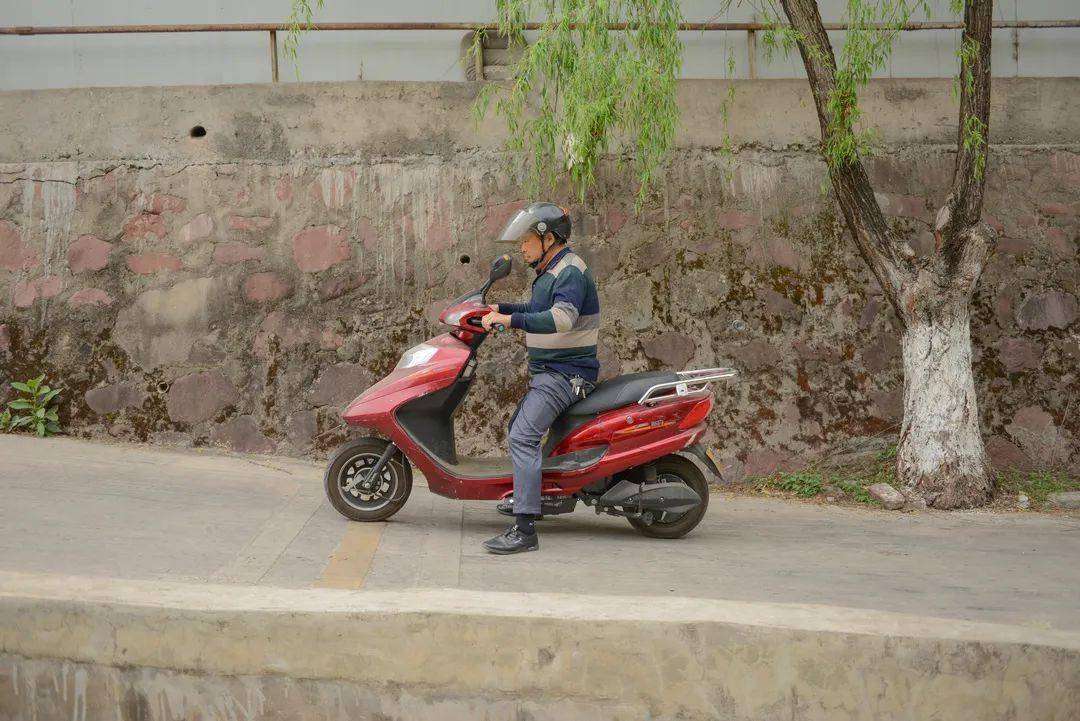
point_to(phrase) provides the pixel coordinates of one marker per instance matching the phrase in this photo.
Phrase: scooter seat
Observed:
(618, 391)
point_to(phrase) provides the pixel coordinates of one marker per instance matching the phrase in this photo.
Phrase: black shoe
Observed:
(506, 508)
(512, 540)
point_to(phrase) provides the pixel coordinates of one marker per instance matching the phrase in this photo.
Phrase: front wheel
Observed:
(675, 469)
(357, 496)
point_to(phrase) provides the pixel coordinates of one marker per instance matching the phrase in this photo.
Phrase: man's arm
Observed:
(509, 308)
(565, 307)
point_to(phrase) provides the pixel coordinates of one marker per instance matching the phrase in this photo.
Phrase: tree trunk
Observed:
(940, 456)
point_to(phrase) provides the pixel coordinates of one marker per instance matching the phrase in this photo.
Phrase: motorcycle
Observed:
(622, 450)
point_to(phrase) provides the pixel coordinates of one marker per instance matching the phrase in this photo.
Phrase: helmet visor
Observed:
(517, 227)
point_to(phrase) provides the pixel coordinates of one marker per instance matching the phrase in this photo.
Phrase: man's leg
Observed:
(548, 396)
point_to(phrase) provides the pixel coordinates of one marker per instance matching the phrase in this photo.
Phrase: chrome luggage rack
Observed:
(690, 383)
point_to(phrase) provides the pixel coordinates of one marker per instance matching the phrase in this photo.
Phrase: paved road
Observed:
(80, 508)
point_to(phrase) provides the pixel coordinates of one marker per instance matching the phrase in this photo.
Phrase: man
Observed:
(561, 324)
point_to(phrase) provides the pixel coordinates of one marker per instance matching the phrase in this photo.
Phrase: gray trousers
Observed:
(548, 396)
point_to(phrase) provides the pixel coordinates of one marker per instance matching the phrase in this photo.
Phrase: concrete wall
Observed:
(205, 58)
(240, 288)
(73, 648)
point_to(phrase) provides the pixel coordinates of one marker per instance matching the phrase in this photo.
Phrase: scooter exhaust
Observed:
(655, 497)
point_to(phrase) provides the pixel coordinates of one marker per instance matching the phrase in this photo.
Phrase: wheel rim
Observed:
(367, 494)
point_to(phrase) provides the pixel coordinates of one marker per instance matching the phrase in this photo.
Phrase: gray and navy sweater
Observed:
(562, 320)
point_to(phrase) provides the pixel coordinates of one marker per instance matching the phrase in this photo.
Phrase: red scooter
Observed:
(620, 450)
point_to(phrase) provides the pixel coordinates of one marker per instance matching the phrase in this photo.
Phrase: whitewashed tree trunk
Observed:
(940, 456)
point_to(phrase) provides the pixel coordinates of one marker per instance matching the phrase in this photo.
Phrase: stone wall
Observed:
(239, 288)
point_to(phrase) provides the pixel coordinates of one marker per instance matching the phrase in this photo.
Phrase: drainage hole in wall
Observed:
(162, 387)
(464, 259)
(198, 131)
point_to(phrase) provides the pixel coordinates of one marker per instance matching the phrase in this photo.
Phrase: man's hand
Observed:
(494, 307)
(492, 318)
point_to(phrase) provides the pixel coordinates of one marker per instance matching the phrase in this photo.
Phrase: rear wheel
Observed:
(676, 469)
(357, 496)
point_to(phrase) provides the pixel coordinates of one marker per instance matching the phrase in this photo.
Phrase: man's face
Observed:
(531, 247)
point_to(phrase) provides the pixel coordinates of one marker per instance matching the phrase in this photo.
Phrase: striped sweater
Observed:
(562, 320)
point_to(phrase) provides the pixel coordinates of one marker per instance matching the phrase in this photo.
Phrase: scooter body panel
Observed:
(633, 435)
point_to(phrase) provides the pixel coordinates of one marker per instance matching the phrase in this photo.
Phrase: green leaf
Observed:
(40, 429)
(39, 413)
(580, 88)
(21, 387)
(20, 404)
(52, 415)
(301, 13)
(50, 395)
(22, 421)
(52, 427)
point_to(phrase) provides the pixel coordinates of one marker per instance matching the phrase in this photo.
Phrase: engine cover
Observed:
(657, 497)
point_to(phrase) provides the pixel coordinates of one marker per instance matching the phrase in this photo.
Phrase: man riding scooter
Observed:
(562, 324)
(623, 450)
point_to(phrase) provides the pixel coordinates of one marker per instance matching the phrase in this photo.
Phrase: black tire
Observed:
(375, 504)
(677, 469)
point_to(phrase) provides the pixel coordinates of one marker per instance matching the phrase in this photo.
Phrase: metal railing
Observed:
(689, 383)
(750, 28)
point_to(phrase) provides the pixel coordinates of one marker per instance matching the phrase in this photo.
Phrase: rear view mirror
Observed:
(500, 268)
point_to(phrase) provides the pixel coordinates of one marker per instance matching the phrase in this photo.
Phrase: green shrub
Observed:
(31, 410)
(805, 484)
(1037, 485)
(850, 480)
(854, 488)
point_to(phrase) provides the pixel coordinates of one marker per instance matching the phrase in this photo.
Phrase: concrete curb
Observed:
(468, 654)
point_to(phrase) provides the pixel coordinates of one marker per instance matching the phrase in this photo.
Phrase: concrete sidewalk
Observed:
(91, 509)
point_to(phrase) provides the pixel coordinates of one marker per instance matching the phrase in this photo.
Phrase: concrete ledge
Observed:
(294, 121)
(460, 654)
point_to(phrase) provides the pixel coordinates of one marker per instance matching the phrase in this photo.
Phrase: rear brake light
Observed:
(696, 415)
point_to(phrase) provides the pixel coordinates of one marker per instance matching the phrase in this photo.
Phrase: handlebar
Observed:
(497, 327)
